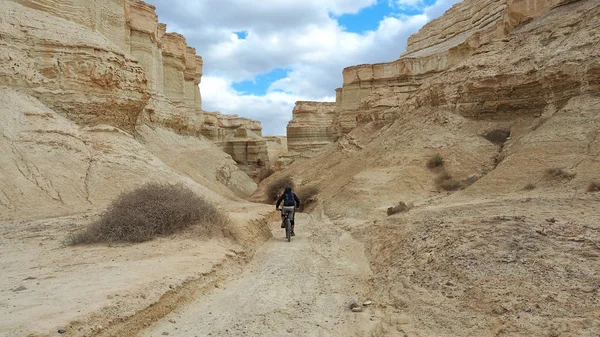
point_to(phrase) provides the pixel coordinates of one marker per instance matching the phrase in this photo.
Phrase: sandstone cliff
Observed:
(374, 92)
(98, 98)
(311, 126)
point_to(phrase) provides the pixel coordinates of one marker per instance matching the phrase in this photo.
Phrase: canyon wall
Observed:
(131, 67)
(518, 68)
(376, 91)
(97, 98)
(311, 126)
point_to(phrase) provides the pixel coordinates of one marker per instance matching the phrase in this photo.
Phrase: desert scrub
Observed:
(558, 174)
(446, 182)
(308, 196)
(401, 207)
(593, 186)
(150, 211)
(435, 162)
(276, 188)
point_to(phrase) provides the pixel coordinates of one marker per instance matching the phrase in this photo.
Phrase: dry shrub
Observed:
(498, 136)
(435, 162)
(558, 174)
(446, 182)
(401, 207)
(529, 187)
(593, 186)
(150, 211)
(276, 188)
(308, 196)
(264, 173)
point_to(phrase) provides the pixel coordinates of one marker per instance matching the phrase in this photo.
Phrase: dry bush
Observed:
(558, 174)
(308, 196)
(276, 188)
(150, 211)
(498, 136)
(446, 182)
(529, 187)
(264, 173)
(401, 207)
(435, 162)
(593, 186)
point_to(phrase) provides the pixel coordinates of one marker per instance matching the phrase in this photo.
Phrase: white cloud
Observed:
(298, 35)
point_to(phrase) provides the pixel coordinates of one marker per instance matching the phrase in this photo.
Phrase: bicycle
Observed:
(287, 225)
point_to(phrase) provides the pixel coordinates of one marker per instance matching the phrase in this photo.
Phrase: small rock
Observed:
(61, 331)
(20, 288)
(165, 333)
(367, 303)
(500, 311)
(528, 310)
(172, 321)
(357, 309)
(289, 330)
(353, 303)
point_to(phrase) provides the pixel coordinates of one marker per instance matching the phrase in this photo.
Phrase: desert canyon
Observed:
(485, 130)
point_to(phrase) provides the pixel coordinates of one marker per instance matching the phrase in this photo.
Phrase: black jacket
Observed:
(281, 198)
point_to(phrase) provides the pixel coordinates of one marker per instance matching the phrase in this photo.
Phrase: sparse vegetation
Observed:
(497, 136)
(308, 196)
(401, 207)
(277, 186)
(558, 174)
(529, 187)
(593, 186)
(264, 173)
(446, 182)
(435, 162)
(150, 211)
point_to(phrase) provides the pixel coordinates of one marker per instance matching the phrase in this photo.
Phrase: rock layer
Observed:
(123, 66)
(311, 126)
(374, 91)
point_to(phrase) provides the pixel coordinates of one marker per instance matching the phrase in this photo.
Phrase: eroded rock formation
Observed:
(376, 91)
(311, 126)
(131, 65)
(98, 98)
(522, 66)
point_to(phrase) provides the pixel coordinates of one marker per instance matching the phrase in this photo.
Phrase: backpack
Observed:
(288, 199)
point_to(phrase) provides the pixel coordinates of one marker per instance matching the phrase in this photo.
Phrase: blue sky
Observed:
(262, 57)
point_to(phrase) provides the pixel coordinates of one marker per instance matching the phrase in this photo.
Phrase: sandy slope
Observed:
(300, 288)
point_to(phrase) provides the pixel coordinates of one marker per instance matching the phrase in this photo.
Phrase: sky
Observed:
(261, 56)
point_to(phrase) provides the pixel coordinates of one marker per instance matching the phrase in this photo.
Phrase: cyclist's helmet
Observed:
(288, 189)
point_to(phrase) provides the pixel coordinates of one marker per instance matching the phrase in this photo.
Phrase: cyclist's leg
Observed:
(290, 211)
(292, 219)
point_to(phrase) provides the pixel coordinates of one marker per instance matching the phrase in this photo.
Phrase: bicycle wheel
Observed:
(288, 229)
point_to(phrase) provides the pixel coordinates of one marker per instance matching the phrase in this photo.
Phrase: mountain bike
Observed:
(287, 224)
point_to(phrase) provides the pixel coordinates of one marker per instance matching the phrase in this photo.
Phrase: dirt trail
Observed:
(301, 288)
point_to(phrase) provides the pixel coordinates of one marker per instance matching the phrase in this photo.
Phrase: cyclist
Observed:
(290, 203)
